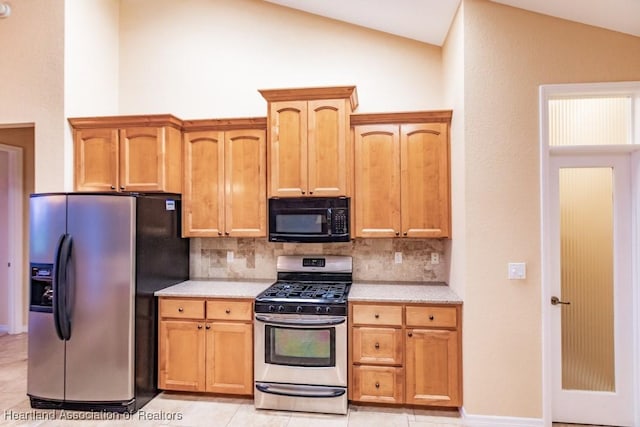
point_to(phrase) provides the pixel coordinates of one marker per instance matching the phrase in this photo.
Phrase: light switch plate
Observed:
(398, 258)
(517, 270)
(435, 258)
(229, 256)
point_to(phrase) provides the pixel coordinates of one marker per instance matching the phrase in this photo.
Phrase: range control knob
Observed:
(327, 310)
(272, 308)
(318, 309)
(281, 308)
(299, 309)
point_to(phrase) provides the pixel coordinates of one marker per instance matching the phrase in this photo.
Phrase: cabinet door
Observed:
(96, 159)
(377, 181)
(181, 352)
(230, 358)
(327, 148)
(288, 149)
(432, 367)
(142, 155)
(425, 180)
(203, 189)
(245, 183)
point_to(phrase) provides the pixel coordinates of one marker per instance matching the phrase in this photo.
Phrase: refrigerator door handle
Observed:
(61, 291)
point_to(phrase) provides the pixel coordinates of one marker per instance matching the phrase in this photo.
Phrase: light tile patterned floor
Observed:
(191, 410)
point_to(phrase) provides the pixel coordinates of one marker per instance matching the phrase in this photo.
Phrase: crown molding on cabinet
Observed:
(297, 94)
(225, 124)
(152, 120)
(402, 117)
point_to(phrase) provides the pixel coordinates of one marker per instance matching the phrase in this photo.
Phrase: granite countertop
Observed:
(371, 291)
(216, 288)
(408, 292)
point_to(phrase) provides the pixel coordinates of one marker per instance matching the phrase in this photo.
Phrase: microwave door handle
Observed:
(329, 216)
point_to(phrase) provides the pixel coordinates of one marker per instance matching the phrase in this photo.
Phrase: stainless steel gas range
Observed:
(301, 336)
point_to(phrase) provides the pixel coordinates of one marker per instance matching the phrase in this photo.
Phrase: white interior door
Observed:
(590, 214)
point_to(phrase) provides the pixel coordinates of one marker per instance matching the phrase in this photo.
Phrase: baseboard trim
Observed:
(4, 329)
(472, 420)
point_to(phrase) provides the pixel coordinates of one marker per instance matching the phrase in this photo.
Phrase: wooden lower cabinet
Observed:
(406, 354)
(206, 346)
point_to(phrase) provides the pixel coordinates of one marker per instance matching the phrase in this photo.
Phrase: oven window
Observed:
(300, 347)
(299, 223)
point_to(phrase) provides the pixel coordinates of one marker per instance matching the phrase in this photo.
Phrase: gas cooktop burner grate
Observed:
(315, 291)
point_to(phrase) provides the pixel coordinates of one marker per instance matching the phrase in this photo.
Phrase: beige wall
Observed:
(508, 54)
(453, 72)
(31, 82)
(208, 58)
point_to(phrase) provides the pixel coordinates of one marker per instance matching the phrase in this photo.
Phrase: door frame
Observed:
(16, 245)
(545, 93)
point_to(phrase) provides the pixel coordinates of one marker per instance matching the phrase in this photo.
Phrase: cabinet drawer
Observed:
(378, 384)
(230, 310)
(436, 317)
(390, 315)
(182, 308)
(377, 346)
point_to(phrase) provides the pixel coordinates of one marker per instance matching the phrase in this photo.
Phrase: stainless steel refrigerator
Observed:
(96, 260)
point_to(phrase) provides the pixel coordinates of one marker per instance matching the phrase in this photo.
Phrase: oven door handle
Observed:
(300, 390)
(276, 320)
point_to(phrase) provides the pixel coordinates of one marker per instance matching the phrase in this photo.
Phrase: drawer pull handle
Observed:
(377, 316)
(180, 309)
(228, 311)
(377, 384)
(410, 334)
(377, 346)
(431, 317)
(199, 326)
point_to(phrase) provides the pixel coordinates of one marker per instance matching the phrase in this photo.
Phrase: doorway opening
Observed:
(17, 143)
(590, 199)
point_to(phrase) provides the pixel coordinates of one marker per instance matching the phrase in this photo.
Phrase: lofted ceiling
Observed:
(428, 20)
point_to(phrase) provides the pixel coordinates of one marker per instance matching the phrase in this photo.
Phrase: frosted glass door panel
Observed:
(587, 265)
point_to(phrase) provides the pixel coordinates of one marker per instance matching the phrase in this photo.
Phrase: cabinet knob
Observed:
(226, 233)
(113, 187)
(377, 384)
(431, 317)
(180, 309)
(310, 192)
(397, 233)
(410, 334)
(303, 192)
(228, 311)
(219, 233)
(377, 316)
(377, 345)
(122, 187)
(199, 326)
(208, 326)
(405, 233)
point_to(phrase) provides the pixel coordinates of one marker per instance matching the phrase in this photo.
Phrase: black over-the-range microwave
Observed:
(309, 219)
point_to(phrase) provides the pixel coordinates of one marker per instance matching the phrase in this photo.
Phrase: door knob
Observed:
(556, 301)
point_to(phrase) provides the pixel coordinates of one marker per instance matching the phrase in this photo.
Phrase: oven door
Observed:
(301, 349)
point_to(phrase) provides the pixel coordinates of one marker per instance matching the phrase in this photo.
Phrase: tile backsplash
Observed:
(373, 259)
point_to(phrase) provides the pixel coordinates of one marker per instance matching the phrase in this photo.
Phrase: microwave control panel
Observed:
(340, 221)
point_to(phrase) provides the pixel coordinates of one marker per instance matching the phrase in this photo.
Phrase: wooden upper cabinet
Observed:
(203, 190)
(225, 178)
(309, 149)
(98, 148)
(288, 149)
(424, 190)
(402, 174)
(245, 183)
(128, 153)
(377, 181)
